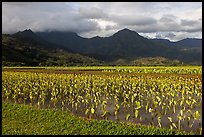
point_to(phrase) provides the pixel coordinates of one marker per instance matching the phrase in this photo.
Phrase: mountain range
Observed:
(68, 48)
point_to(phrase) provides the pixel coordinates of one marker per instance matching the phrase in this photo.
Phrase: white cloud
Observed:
(104, 18)
(91, 13)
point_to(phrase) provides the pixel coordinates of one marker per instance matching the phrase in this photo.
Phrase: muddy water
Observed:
(148, 118)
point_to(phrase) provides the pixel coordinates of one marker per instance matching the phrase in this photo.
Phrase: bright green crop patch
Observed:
(20, 119)
(126, 69)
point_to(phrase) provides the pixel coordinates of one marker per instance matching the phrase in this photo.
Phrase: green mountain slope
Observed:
(125, 44)
(17, 52)
(26, 48)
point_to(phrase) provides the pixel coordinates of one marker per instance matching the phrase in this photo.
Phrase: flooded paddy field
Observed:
(164, 100)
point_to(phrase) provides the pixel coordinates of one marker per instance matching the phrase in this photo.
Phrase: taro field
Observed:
(165, 97)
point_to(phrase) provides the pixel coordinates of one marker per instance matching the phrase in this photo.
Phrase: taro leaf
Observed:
(174, 109)
(146, 107)
(158, 98)
(136, 113)
(127, 116)
(138, 104)
(181, 103)
(174, 125)
(159, 121)
(171, 127)
(170, 119)
(181, 112)
(196, 115)
(150, 109)
(189, 111)
(86, 112)
(180, 117)
(132, 99)
(116, 112)
(106, 112)
(117, 106)
(92, 110)
(104, 102)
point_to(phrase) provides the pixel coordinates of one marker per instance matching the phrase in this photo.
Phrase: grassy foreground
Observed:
(21, 119)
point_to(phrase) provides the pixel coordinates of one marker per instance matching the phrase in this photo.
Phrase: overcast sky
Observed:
(169, 20)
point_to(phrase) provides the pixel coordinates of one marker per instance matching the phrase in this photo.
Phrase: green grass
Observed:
(23, 120)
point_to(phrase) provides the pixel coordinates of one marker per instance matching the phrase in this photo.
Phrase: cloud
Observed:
(191, 25)
(168, 18)
(137, 20)
(104, 18)
(158, 36)
(183, 35)
(170, 35)
(91, 13)
(166, 35)
(44, 18)
(17, 4)
(169, 23)
(189, 22)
